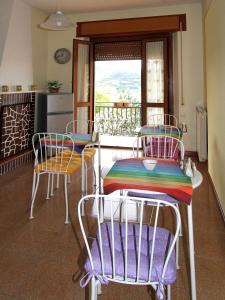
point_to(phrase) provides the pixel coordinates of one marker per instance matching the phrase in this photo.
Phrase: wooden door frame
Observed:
(89, 104)
(168, 66)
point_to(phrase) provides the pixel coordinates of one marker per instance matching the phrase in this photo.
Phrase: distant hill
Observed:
(123, 80)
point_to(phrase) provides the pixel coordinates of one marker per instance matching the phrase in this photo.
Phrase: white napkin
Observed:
(188, 168)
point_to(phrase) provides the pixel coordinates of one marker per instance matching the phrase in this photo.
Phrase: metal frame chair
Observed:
(160, 146)
(162, 119)
(51, 157)
(166, 130)
(87, 127)
(130, 252)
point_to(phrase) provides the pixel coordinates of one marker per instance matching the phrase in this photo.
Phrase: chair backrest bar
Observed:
(77, 126)
(162, 119)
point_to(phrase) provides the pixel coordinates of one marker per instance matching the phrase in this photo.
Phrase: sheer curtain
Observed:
(155, 72)
(155, 77)
(83, 85)
(83, 74)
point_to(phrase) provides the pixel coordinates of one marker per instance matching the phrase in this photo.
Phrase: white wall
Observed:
(5, 16)
(16, 67)
(192, 57)
(61, 72)
(39, 49)
(215, 78)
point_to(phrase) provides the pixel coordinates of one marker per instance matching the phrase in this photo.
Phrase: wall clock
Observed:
(62, 55)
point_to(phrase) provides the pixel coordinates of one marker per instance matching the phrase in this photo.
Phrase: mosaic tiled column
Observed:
(16, 129)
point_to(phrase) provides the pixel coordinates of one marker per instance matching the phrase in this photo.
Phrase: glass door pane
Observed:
(155, 72)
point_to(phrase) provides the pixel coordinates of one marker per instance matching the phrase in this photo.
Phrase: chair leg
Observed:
(52, 185)
(93, 289)
(57, 182)
(168, 290)
(180, 232)
(34, 196)
(66, 201)
(99, 169)
(82, 176)
(99, 288)
(191, 252)
(34, 183)
(48, 188)
(177, 243)
(94, 175)
(83, 182)
(177, 254)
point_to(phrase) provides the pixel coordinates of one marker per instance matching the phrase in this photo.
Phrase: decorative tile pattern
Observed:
(16, 129)
(16, 133)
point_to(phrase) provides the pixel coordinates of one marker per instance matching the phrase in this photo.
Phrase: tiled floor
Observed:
(40, 259)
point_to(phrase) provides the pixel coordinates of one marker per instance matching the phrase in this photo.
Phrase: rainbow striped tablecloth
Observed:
(167, 177)
(79, 141)
(160, 130)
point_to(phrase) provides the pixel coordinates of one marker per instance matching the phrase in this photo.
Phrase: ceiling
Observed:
(81, 6)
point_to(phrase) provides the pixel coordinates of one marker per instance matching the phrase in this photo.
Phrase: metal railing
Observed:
(118, 119)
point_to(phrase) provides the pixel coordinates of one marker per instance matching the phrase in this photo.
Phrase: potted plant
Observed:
(54, 86)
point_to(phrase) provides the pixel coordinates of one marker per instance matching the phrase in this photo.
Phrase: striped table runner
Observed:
(79, 141)
(160, 130)
(167, 177)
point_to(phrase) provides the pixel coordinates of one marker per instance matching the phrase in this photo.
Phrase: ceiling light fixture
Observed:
(57, 21)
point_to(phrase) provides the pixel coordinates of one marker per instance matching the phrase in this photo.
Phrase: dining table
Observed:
(166, 177)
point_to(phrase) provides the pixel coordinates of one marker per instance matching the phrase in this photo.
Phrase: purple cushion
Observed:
(162, 243)
(142, 194)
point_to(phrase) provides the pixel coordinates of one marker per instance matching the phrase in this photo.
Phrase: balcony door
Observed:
(155, 78)
(156, 85)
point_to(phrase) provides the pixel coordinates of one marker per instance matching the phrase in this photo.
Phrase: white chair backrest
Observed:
(76, 126)
(162, 146)
(49, 151)
(125, 251)
(162, 119)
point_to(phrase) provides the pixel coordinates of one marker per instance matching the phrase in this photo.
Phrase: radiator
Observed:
(201, 132)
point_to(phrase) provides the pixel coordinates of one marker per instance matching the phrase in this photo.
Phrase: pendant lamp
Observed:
(57, 21)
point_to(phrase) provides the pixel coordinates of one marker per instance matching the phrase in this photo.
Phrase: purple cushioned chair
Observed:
(130, 252)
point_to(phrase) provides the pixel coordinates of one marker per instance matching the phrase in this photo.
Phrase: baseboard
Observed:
(217, 198)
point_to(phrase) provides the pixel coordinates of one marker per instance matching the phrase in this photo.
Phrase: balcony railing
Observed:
(118, 119)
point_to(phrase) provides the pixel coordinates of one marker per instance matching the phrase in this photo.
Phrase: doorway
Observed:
(117, 101)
